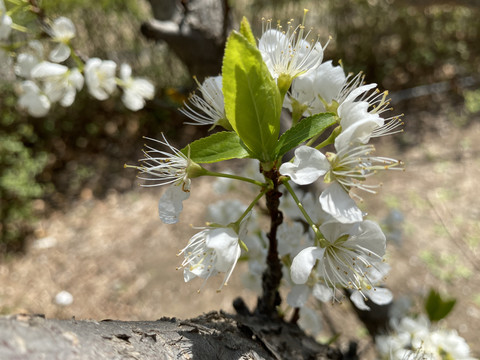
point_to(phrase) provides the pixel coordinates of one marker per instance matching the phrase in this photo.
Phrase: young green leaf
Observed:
(436, 307)
(217, 147)
(246, 31)
(252, 100)
(303, 131)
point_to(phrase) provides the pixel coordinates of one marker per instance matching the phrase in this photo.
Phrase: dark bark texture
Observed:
(196, 30)
(215, 335)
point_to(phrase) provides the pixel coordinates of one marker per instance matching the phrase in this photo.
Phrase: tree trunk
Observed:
(196, 30)
(215, 335)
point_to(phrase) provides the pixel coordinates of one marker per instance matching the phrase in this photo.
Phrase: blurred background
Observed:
(73, 219)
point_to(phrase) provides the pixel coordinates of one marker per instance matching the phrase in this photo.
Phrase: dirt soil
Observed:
(118, 260)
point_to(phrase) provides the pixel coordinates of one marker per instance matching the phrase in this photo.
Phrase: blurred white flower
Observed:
(60, 83)
(26, 61)
(292, 239)
(310, 321)
(100, 77)
(135, 90)
(416, 336)
(224, 212)
(5, 22)
(33, 100)
(61, 31)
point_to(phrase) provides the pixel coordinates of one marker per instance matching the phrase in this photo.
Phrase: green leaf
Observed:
(252, 100)
(303, 131)
(217, 147)
(246, 31)
(436, 307)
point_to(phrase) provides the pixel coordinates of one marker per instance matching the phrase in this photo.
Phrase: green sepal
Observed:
(252, 100)
(217, 147)
(303, 131)
(436, 307)
(246, 31)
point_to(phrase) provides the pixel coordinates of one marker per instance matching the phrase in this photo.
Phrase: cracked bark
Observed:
(215, 335)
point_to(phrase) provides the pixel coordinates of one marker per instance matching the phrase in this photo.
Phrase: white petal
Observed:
(125, 72)
(76, 79)
(359, 301)
(309, 164)
(170, 205)
(370, 236)
(5, 25)
(358, 91)
(60, 53)
(47, 69)
(303, 264)
(329, 81)
(309, 321)
(358, 133)
(225, 243)
(63, 28)
(298, 295)
(68, 97)
(132, 100)
(380, 296)
(36, 103)
(339, 204)
(322, 292)
(144, 88)
(25, 64)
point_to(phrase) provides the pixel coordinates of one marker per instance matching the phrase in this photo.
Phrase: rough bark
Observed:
(215, 335)
(195, 30)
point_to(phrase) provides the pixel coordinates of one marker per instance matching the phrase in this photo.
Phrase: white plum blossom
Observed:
(135, 90)
(61, 31)
(318, 90)
(26, 61)
(349, 251)
(100, 77)
(60, 83)
(346, 169)
(416, 336)
(308, 165)
(211, 251)
(289, 54)
(208, 109)
(33, 99)
(168, 168)
(5, 22)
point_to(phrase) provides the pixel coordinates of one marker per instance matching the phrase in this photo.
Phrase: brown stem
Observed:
(270, 299)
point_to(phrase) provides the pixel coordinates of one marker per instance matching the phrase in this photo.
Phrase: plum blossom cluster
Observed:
(320, 245)
(416, 338)
(50, 72)
(341, 250)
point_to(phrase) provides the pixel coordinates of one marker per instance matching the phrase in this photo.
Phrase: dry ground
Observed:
(118, 260)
